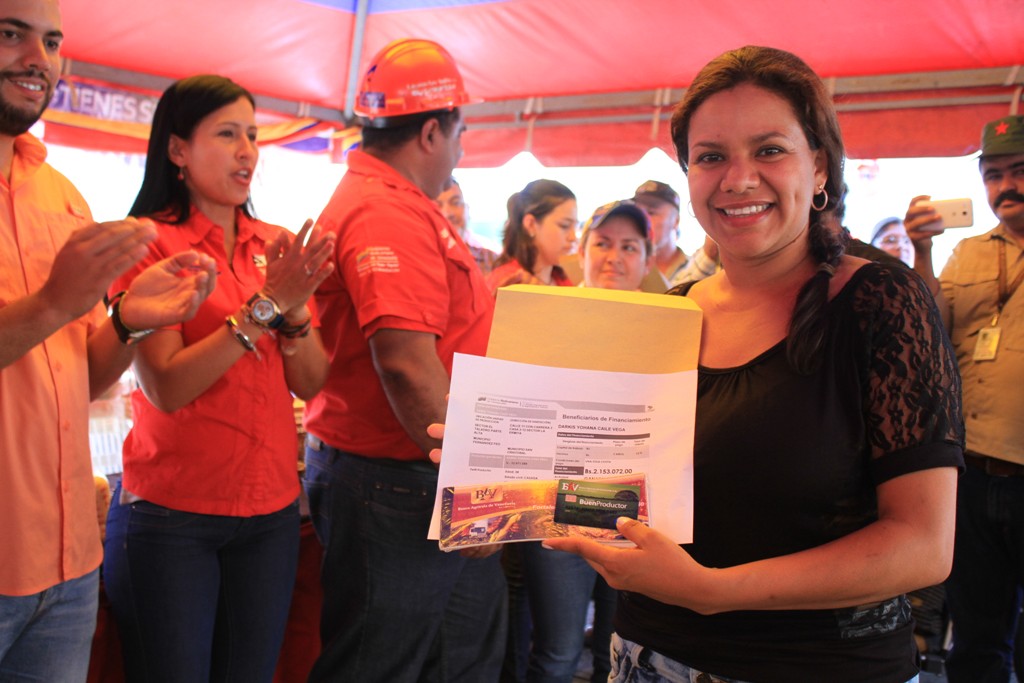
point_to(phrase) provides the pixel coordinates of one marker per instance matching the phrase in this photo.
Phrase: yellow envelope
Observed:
(595, 329)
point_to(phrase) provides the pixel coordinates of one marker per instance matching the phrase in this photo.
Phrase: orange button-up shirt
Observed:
(48, 504)
(232, 450)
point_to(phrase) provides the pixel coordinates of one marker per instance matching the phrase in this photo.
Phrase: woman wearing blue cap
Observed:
(616, 249)
(616, 252)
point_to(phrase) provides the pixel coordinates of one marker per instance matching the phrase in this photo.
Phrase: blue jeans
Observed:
(199, 597)
(984, 588)
(560, 586)
(47, 636)
(632, 663)
(395, 607)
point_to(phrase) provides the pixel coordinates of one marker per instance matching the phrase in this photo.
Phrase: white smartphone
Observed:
(955, 213)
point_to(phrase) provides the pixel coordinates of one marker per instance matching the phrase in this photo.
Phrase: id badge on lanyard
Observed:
(988, 337)
(988, 341)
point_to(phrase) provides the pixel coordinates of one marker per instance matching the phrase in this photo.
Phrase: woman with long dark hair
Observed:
(828, 424)
(539, 231)
(203, 532)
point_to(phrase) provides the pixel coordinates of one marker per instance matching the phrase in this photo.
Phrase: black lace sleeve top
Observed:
(784, 462)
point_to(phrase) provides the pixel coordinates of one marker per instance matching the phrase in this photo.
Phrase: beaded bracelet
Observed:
(241, 336)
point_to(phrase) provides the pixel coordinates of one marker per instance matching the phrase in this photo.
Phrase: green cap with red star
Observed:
(1003, 136)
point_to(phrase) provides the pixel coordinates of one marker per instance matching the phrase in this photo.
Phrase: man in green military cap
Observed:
(984, 315)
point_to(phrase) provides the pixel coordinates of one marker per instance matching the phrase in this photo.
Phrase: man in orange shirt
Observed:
(58, 350)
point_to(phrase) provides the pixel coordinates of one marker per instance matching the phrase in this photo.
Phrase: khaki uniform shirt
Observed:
(993, 411)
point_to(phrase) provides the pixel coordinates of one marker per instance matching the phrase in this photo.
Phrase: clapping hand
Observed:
(169, 292)
(89, 262)
(295, 271)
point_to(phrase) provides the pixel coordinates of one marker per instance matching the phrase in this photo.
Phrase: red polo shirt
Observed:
(231, 451)
(398, 257)
(507, 270)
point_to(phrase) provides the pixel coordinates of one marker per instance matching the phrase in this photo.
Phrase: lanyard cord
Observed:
(1006, 292)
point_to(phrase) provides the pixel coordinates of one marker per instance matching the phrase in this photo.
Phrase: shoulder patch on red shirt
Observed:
(377, 260)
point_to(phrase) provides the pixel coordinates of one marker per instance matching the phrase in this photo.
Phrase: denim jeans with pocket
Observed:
(47, 636)
(200, 597)
(560, 586)
(396, 608)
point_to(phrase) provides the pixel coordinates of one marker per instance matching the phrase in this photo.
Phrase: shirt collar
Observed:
(366, 164)
(1002, 232)
(29, 155)
(247, 227)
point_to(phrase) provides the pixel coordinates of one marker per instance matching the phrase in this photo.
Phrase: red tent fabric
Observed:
(583, 82)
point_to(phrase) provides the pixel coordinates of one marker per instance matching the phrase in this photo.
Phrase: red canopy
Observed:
(582, 82)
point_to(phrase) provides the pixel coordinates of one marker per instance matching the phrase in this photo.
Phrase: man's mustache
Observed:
(31, 73)
(1008, 195)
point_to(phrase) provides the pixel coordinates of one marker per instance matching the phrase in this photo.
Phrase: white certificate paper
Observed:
(510, 421)
(584, 406)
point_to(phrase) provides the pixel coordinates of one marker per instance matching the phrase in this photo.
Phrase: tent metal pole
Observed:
(583, 118)
(358, 33)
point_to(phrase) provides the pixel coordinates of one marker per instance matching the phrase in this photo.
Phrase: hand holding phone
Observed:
(955, 213)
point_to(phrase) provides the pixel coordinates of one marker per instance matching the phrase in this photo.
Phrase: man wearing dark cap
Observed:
(978, 293)
(661, 203)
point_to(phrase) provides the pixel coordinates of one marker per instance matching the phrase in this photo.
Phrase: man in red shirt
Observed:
(58, 350)
(405, 296)
(453, 206)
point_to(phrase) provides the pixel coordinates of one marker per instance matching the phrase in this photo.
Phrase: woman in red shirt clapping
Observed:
(203, 533)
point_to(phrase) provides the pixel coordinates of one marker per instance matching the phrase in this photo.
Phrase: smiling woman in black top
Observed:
(828, 431)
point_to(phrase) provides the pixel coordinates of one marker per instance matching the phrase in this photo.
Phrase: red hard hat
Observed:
(409, 76)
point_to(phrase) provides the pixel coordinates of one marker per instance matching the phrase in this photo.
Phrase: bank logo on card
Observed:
(486, 494)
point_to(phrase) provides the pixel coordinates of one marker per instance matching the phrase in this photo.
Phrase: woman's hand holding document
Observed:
(562, 437)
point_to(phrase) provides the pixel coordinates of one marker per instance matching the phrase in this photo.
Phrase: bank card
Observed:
(594, 503)
(525, 510)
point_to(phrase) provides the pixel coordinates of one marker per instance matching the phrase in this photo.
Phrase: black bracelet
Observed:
(109, 301)
(127, 335)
